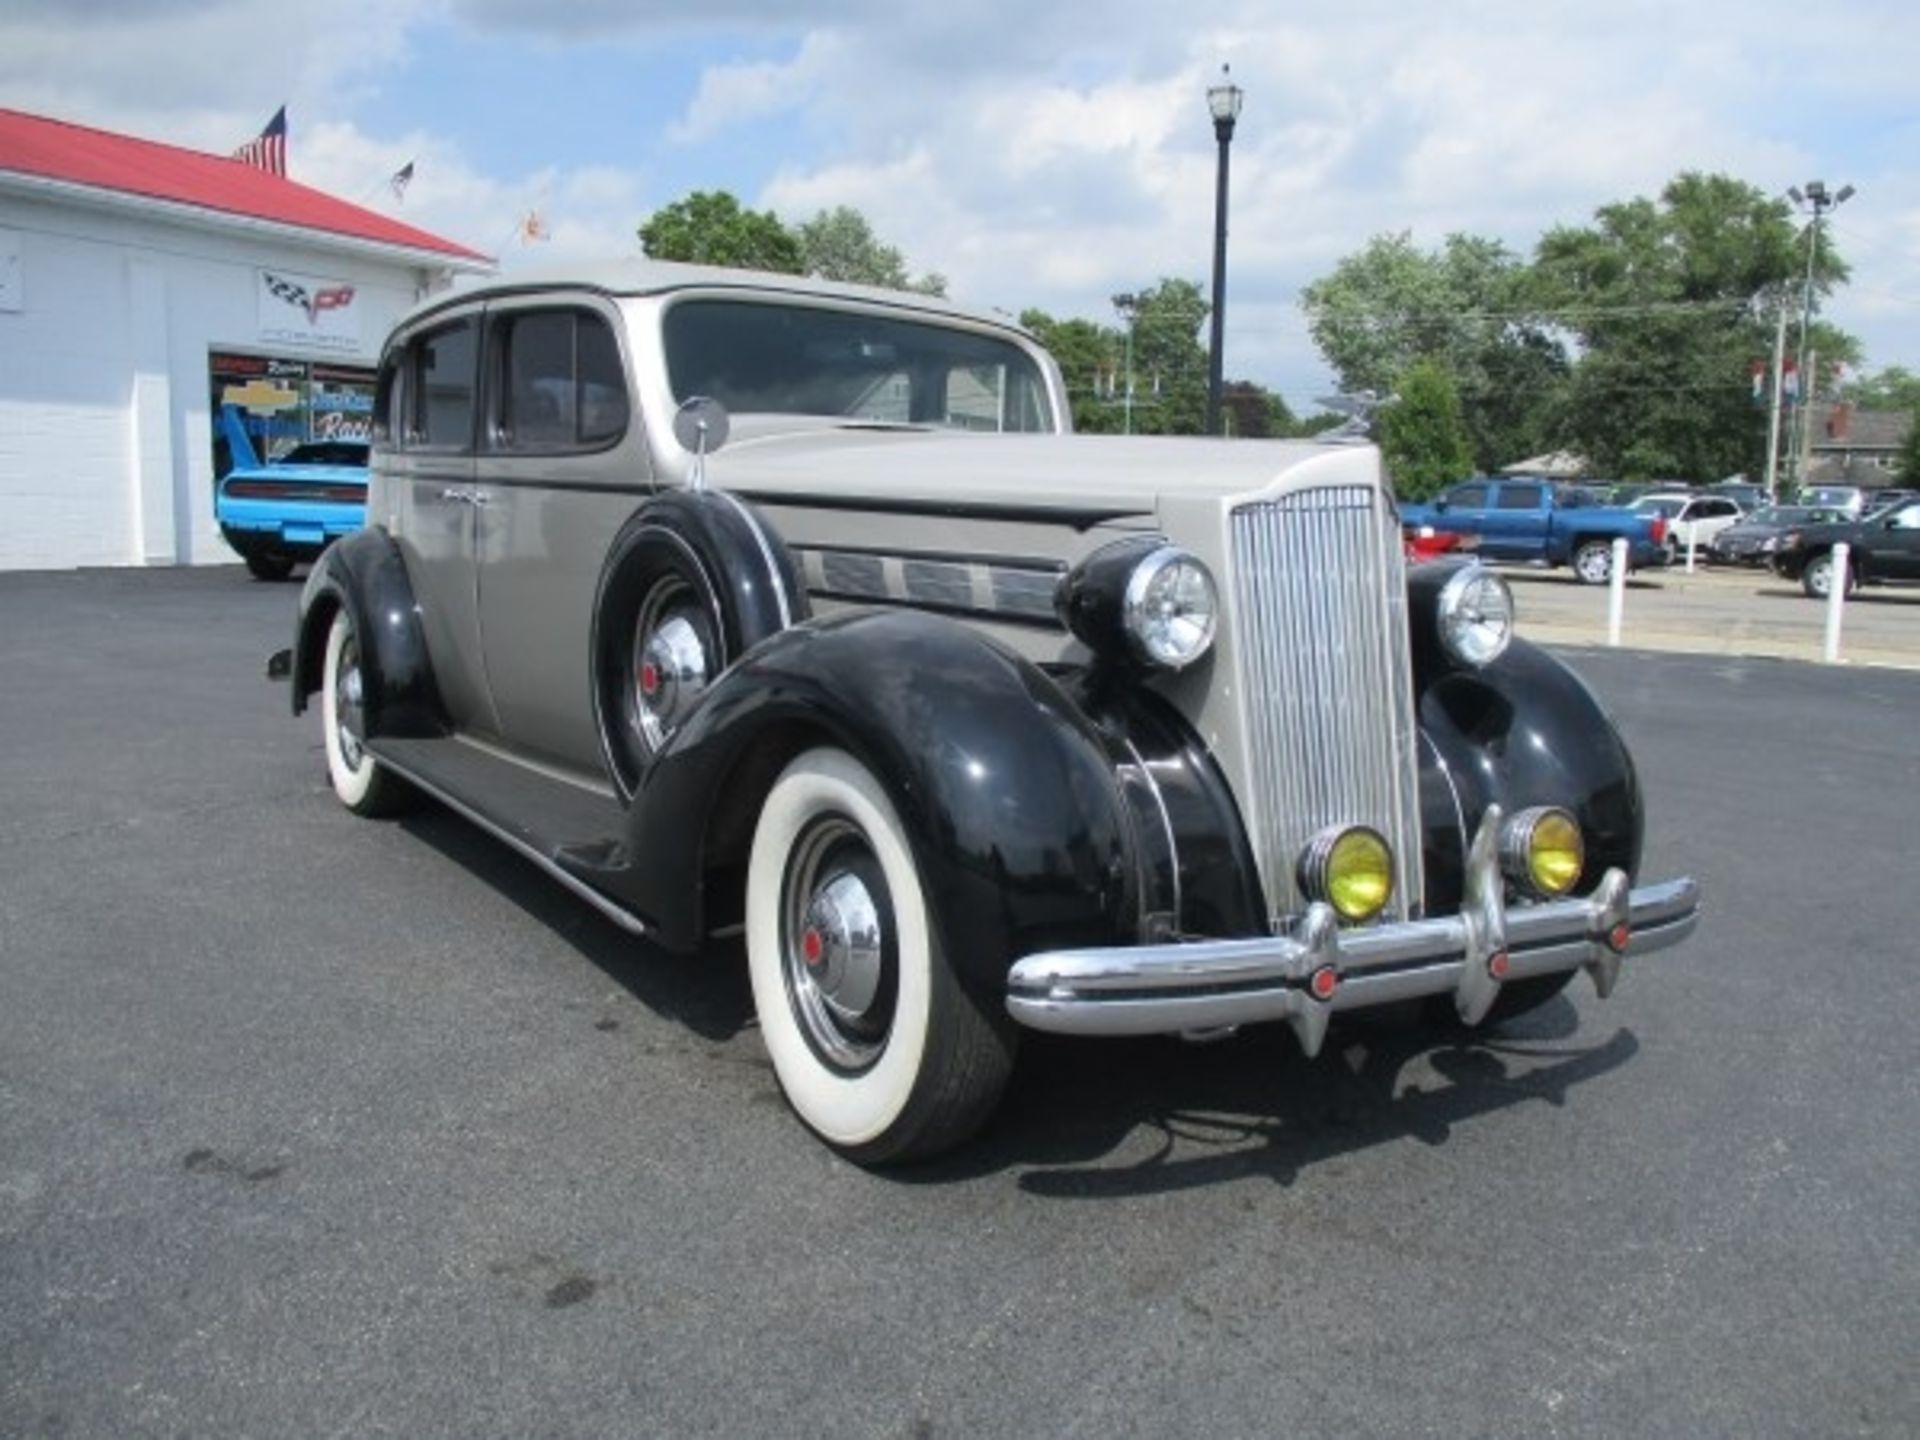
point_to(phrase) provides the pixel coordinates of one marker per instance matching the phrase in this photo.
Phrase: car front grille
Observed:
(1320, 625)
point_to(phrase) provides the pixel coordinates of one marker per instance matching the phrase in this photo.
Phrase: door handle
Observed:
(455, 495)
(479, 498)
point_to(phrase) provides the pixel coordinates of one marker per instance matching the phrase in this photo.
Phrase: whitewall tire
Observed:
(358, 780)
(877, 1046)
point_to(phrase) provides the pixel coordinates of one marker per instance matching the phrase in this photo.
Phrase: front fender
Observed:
(1003, 786)
(1523, 731)
(365, 574)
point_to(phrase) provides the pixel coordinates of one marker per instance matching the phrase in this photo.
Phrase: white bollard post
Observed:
(1617, 591)
(1836, 600)
(1689, 550)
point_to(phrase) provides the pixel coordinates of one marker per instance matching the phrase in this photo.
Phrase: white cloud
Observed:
(1039, 155)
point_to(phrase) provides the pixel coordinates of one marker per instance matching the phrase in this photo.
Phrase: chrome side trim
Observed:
(1166, 989)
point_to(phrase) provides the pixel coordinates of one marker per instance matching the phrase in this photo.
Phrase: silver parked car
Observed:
(752, 606)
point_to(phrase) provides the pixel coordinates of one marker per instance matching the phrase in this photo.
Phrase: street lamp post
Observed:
(1818, 200)
(1223, 102)
(1128, 304)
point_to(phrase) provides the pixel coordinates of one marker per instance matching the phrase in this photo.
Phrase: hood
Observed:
(1124, 474)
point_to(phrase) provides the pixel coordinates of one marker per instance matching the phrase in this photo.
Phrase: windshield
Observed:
(759, 357)
(326, 452)
(1669, 507)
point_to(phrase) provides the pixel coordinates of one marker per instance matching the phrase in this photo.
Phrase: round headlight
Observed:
(1171, 609)
(1351, 868)
(1542, 850)
(1476, 616)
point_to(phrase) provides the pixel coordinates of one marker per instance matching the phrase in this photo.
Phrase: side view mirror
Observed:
(1440, 506)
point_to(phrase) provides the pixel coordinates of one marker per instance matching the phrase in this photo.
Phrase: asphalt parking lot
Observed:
(312, 1125)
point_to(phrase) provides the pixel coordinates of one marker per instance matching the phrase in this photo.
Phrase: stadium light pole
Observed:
(1819, 200)
(1223, 102)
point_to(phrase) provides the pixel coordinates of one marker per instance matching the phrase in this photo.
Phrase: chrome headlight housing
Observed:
(1475, 616)
(1171, 609)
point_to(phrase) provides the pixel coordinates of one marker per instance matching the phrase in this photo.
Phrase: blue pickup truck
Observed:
(1538, 521)
(283, 513)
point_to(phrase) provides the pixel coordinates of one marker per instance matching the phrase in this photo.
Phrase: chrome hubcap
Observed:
(349, 705)
(837, 946)
(672, 662)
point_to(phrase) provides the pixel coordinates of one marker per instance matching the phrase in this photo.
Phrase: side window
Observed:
(442, 375)
(1468, 497)
(1905, 518)
(389, 401)
(562, 387)
(1519, 497)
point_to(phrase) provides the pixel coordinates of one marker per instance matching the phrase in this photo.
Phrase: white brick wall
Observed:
(105, 437)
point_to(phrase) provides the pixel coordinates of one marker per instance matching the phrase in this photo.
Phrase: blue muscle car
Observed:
(279, 514)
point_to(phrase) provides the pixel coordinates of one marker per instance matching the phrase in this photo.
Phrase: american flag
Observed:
(268, 151)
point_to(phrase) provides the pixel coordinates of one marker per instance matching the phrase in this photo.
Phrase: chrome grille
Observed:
(1320, 627)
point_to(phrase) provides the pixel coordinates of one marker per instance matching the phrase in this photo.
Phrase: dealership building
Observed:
(143, 287)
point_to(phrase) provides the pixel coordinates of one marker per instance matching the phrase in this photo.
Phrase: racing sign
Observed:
(307, 310)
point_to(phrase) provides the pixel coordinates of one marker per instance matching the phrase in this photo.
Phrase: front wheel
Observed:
(878, 1047)
(1817, 578)
(359, 782)
(1593, 562)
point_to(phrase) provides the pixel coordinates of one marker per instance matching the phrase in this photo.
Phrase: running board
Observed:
(536, 815)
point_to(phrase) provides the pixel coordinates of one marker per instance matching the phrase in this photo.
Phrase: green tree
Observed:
(1169, 365)
(1466, 306)
(711, 227)
(1423, 434)
(1669, 301)
(1254, 412)
(1893, 388)
(1090, 360)
(1907, 463)
(839, 244)
(1169, 362)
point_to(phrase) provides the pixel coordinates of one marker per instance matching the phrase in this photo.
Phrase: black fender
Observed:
(365, 574)
(1004, 787)
(1197, 872)
(748, 577)
(1522, 731)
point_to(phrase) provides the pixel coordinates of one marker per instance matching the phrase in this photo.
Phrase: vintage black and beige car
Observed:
(741, 604)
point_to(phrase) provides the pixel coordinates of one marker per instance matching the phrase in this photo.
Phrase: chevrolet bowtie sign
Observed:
(309, 311)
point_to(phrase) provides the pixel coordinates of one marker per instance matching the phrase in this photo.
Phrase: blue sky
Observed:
(1036, 155)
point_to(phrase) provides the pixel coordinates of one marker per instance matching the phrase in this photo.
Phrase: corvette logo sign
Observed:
(306, 310)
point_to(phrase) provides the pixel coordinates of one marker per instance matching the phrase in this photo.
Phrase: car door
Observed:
(1896, 548)
(562, 463)
(432, 496)
(1513, 526)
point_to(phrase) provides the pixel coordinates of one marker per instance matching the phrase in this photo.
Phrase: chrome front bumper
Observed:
(1305, 976)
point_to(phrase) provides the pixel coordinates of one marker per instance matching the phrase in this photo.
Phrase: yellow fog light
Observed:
(1541, 849)
(1351, 868)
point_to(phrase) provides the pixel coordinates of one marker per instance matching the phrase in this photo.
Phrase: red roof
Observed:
(79, 155)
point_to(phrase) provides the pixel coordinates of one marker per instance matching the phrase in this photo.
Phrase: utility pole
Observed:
(1128, 304)
(1773, 408)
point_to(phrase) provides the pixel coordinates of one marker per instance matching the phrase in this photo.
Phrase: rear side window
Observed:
(1519, 497)
(561, 385)
(443, 373)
